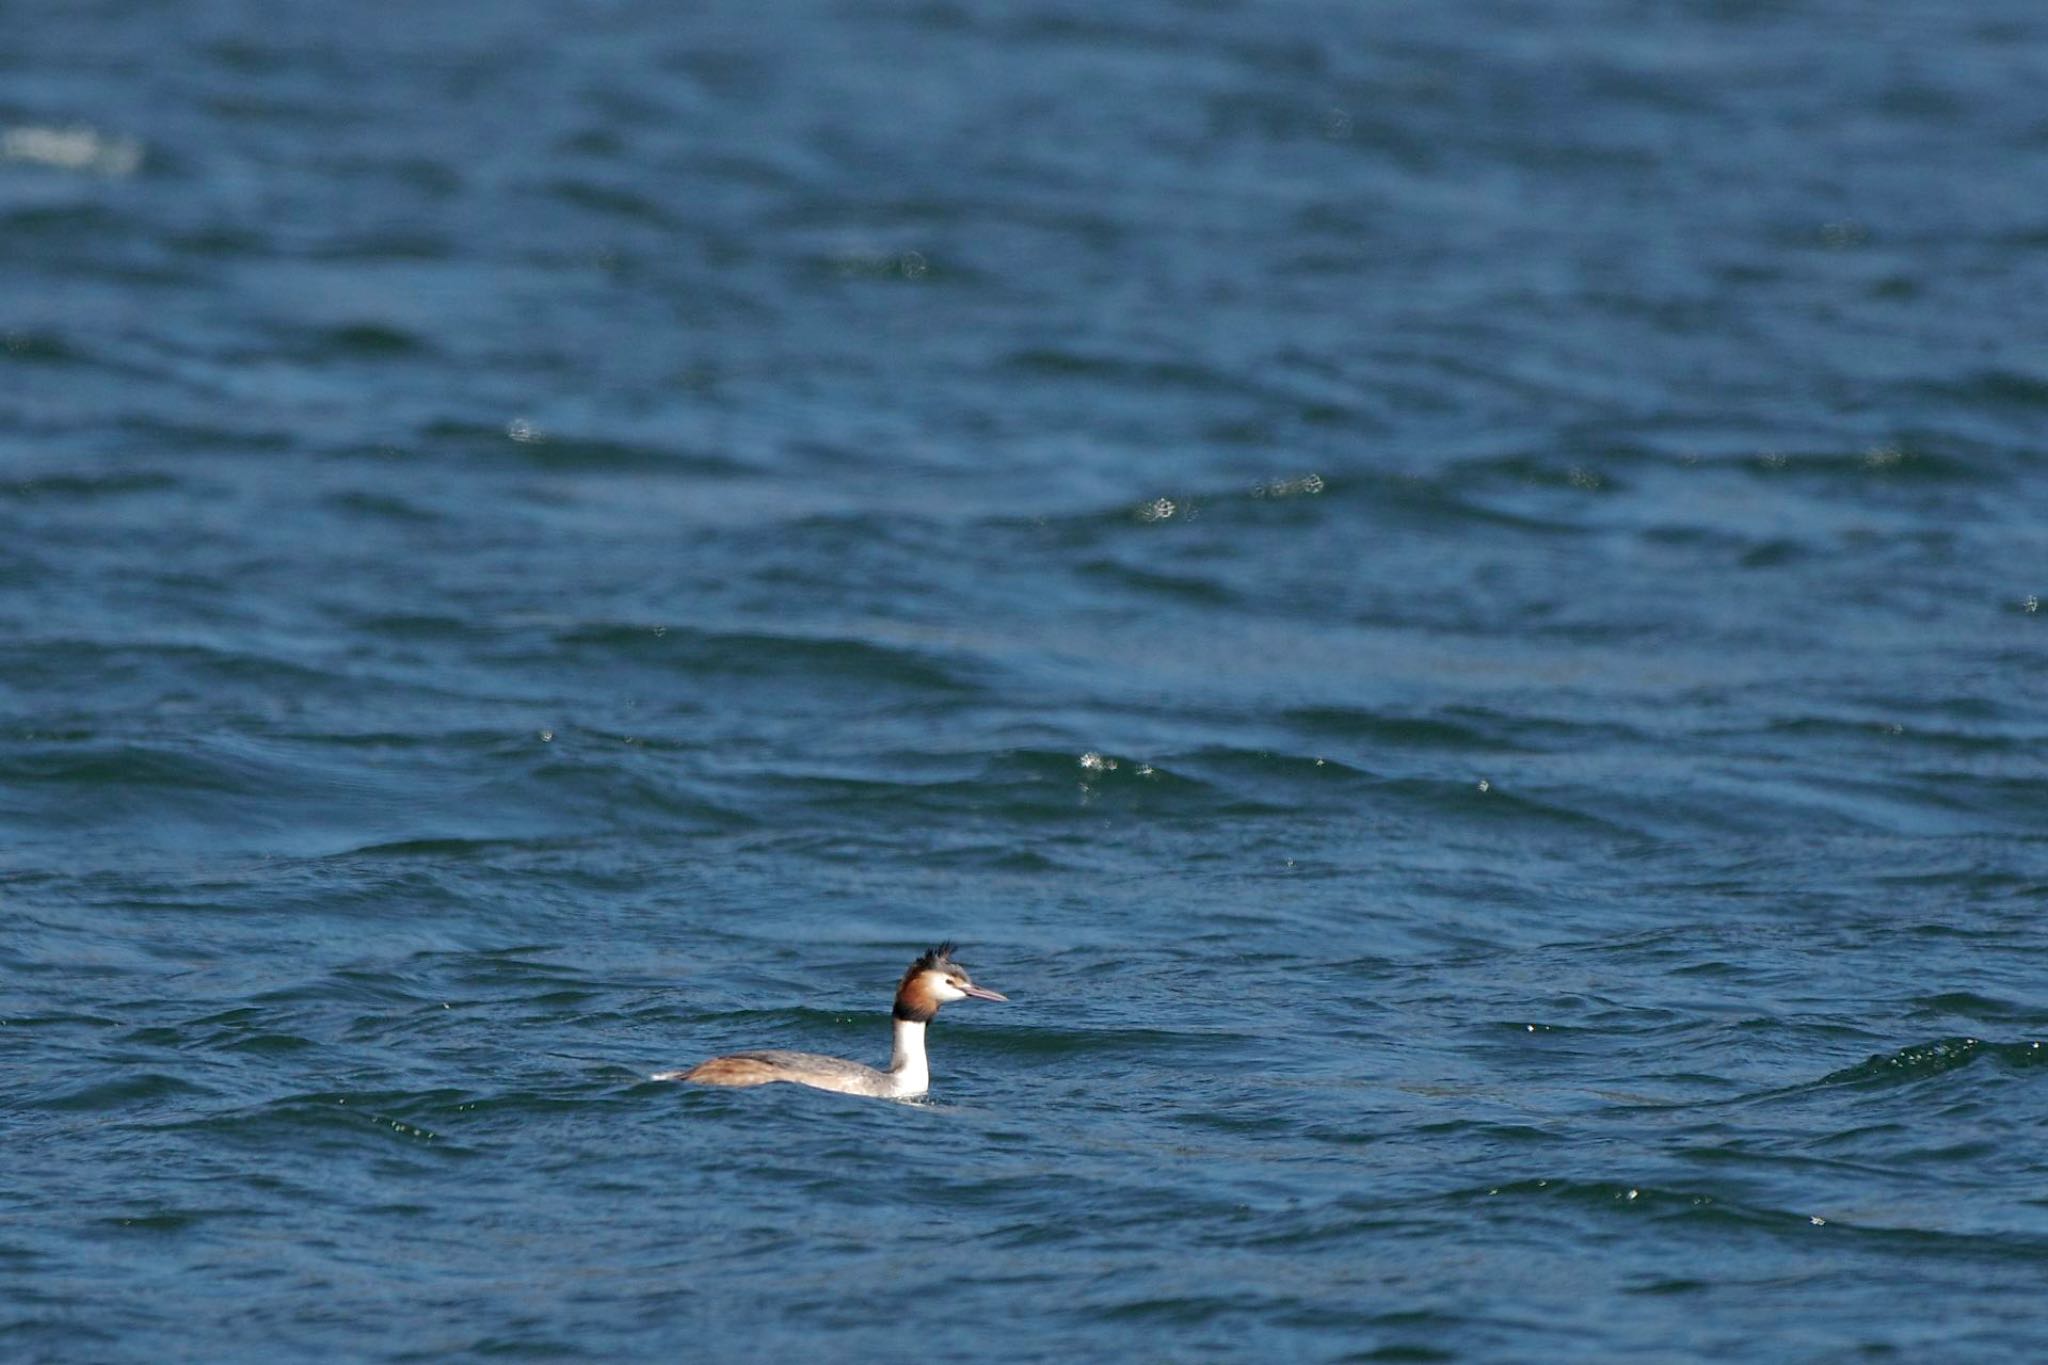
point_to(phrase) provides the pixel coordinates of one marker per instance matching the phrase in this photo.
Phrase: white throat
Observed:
(909, 1072)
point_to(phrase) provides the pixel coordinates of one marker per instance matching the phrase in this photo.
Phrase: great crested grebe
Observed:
(933, 980)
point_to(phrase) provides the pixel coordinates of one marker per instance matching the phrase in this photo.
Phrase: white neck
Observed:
(908, 1069)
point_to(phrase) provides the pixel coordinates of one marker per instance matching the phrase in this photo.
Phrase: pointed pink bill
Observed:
(984, 993)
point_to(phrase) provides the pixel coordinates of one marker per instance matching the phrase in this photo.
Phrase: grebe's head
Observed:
(933, 980)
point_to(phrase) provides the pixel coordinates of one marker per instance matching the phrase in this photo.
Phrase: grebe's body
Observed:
(933, 980)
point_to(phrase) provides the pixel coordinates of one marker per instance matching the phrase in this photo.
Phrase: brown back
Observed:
(732, 1071)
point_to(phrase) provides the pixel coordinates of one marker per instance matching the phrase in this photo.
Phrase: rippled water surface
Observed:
(1447, 597)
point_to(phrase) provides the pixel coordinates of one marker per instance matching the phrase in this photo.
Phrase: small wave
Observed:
(383, 506)
(1637, 1200)
(120, 1092)
(367, 341)
(30, 348)
(84, 487)
(1970, 1005)
(1943, 1055)
(333, 1121)
(1056, 362)
(1881, 459)
(616, 201)
(1993, 387)
(757, 654)
(535, 442)
(1483, 730)
(1193, 588)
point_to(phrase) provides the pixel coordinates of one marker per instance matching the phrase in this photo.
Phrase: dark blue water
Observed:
(1446, 596)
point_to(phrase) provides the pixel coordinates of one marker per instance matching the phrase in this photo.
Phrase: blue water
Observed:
(1446, 596)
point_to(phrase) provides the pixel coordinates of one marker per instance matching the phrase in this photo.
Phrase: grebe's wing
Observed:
(762, 1068)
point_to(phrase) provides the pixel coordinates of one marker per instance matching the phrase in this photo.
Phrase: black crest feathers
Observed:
(917, 1004)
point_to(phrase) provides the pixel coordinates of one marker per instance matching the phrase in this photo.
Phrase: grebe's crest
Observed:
(937, 959)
